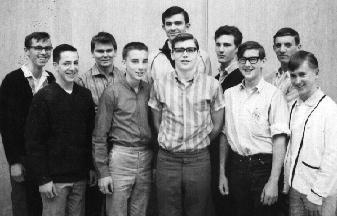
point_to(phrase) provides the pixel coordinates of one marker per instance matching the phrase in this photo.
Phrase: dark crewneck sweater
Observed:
(58, 134)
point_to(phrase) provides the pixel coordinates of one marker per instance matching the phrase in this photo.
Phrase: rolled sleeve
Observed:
(279, 115)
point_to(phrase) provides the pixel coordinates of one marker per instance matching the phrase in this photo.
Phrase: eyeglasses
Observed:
(181, 50)
(40, 48)
(252, 60)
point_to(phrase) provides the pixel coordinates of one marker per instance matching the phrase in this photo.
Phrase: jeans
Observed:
(297, 205)
(183, 183)
(26, 200)
(94, 201)
(247, 178)
(70, 200)
(130, 168)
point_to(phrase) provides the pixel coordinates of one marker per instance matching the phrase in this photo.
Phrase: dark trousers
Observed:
(94, 202)
(26, 199)
(248, 176)
(183, 183)
(223, 205)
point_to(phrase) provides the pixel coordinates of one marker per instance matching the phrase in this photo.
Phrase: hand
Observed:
(48, 190)
(311, 208)
(269, 193)
(17, 172)
(223, 185)
(92, 178)
(105, 185)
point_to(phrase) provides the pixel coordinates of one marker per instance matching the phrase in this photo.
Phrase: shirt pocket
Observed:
(259, 124)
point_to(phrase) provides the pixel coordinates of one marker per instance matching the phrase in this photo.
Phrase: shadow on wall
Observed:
(5, 188)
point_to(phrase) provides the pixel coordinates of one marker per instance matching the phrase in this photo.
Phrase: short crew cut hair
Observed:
(133, 46)
(288, 32)
(103, 38)
(37, 36)
(229, 30)
(173, 11)
(184, 37)
(249, 45)
(300, 57)
(62, 48)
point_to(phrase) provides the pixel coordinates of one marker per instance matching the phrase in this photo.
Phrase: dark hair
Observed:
(184, 37)
(62, 48)
(288, 32)
(36, 35)
(103, 38)
(249, 45)
(229, 30)
(300, 57)
(133, 46)
(173, 11)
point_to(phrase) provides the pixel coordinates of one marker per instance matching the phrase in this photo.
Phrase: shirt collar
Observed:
(174, 75)
(312, 100)
(96, 71)
(259, 87)
(27, 73)
(230, 68)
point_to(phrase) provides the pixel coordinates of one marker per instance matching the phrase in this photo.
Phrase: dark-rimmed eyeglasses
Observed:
(252, 60)
(181, 50)
(40, 48)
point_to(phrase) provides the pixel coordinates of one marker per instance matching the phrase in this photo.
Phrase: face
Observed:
(185, 55)
(251, 70)
(175, 25)
(136, 64)
(285, 47)
(67, 67)
(104, 54)
(225, 48)
(304, 79)
(39, 52)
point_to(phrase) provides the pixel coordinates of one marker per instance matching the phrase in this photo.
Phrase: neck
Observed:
(169, 43)
(226, 64)
(36, 71)
(249, 84)
(134, 83)
(185, 75)
(68, 86)
(305, 97)
(105, 70)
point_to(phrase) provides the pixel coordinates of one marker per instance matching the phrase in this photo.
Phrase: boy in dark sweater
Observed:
(16, 94)
(122, 122)
(58, 137)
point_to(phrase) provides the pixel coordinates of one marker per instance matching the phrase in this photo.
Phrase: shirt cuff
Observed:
(315, 198)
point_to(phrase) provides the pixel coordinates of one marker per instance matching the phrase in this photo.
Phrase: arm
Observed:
(278, 119)
(156, 115)
(223, 154)
(90, 126)
(217, 119)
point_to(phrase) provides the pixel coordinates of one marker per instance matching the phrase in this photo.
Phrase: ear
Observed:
(163, 27)
(172, 56)
(55, 64)
(274, 47)
(188, 25)
(299, 46)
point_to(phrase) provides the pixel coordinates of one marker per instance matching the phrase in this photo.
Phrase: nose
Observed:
(283, 48)
(247, 63)
(105, 53)
(43, 51)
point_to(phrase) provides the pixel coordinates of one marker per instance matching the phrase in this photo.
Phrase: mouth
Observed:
(185, 62)
(140, 74)
(221, 56)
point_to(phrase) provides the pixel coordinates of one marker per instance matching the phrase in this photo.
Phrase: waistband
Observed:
(184, 154)
(260, 156)
(130, 149)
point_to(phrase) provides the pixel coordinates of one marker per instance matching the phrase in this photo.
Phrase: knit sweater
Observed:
(15, 98)
(58, 134)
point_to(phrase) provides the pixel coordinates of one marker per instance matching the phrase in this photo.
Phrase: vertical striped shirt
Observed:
(186, 110)
(96, 81)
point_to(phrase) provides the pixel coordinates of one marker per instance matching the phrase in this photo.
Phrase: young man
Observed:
(58, 138)
(187, 109)
(256, 127)
(310, 165)
(96, 79)
(227, 39)
(122, 123)
(175, 20)
(16, 93)
(286, 43)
